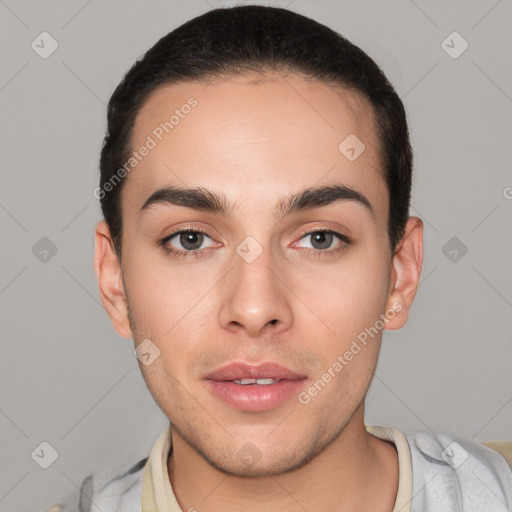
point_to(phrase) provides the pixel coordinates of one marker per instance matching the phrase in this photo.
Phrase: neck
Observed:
(357, 471)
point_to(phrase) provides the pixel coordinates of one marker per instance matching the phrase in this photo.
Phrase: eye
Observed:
(185, 242)
(321, 240)
(189, 242)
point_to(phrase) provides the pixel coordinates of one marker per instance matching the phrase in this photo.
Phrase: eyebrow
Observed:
(203, 199)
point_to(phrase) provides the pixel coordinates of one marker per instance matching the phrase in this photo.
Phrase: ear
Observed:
(110, 279)
(405, 273)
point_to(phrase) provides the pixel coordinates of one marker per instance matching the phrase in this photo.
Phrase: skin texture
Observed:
(258, 142)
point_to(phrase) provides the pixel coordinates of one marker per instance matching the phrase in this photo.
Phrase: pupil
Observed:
(324, 239)
(193, 238)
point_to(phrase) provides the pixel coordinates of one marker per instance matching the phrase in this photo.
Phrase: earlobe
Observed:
(406, 269)
(110, 280)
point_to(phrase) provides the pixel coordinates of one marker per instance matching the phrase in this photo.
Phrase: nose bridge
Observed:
(254, 296)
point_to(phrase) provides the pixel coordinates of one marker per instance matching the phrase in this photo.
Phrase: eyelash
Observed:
(316, 253)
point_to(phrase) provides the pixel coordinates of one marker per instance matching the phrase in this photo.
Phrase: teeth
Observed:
(245, 381)
(263, 382)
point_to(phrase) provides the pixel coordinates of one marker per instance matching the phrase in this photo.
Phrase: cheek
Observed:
(348, 296)
(162, 294)
(176, 309)
(349, 300)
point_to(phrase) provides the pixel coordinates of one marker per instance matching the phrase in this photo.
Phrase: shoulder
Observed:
(451, 470)
(108, 490)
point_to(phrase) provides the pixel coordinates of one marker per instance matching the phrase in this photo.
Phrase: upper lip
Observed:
(241, 370)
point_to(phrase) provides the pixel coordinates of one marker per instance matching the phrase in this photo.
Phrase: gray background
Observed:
(70, 380)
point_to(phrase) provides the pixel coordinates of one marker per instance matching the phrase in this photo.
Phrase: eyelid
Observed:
(185, 227)
(303, 233)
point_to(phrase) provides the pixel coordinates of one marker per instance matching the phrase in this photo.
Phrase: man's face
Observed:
(257, 144)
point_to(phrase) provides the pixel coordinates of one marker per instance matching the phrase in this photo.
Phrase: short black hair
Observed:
(243, 40)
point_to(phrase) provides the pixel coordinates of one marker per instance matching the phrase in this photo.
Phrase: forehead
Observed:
(254, 135)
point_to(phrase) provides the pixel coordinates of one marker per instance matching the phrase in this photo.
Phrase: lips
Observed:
(255, 388)
(239, 371)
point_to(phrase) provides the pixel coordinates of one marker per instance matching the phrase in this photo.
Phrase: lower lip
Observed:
(255, 397)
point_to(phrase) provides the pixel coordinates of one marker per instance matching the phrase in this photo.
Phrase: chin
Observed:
(260, 469)
(248, 461)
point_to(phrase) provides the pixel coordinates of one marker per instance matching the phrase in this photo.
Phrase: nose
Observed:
(255, 297)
